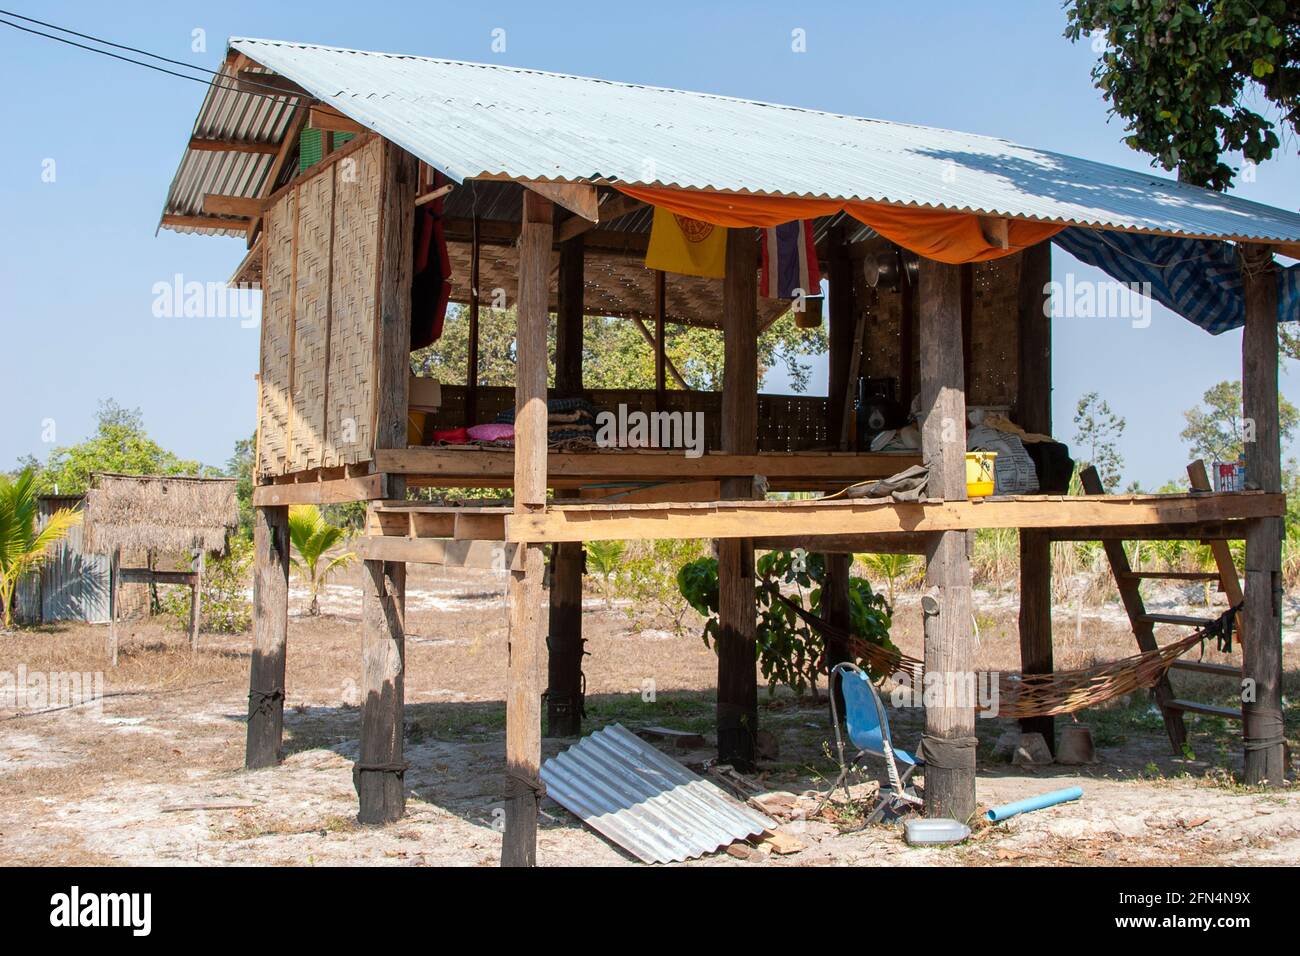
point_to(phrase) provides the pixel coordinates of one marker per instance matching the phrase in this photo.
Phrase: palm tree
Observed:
(892, 567)
(312, 537)
(22, 547)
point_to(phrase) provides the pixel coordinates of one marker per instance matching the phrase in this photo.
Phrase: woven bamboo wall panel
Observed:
(277, 337)
(995, 336)
(311, 321)
(349, 424)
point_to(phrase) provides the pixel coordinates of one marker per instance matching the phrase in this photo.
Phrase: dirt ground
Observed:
(153, 775)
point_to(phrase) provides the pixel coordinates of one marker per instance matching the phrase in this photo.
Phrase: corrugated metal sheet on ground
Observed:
(643, 800)
(470, 120)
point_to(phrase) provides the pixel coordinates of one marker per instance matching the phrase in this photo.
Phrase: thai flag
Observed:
(790, 261)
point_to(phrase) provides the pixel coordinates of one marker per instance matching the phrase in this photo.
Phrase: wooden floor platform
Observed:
(819, 524)
(784, 471)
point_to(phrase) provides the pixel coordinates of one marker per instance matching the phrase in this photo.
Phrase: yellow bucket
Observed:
(979, 473)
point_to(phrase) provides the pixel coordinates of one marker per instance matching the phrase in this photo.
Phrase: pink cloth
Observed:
(492, 432)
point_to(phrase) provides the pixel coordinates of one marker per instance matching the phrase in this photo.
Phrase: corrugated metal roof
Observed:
(644, 801)
(228, 114)
(470, 120)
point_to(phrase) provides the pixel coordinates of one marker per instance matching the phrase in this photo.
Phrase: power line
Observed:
(273, 95)
(100, 40)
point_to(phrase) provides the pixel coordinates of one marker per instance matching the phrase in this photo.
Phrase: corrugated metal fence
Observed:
(71, 585)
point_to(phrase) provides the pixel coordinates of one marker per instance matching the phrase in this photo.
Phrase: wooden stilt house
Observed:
(545, 189)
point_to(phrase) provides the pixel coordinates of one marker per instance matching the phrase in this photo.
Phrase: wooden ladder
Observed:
(1172, 707)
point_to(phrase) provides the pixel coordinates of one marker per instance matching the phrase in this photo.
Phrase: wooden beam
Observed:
(614, 207)
(393, 335)
(1135, 607)
(564, 644)
(270, 635)
(497, 232)
(114, 595)
(848, 543)
(737, 705)
(527, 627)
(1034, 414)
(203, 222)
(841, 337)
(244, 206)
(793, 519)
(379, 773)
(268, 84)
(328, 119)
(202, 145)
(632, 465)
(196, 599)
(288, 146)
(1261, 646)
(949, 640)
(669, 366)
(995, 231)
(443, 552)
(661, 337)
(329, 492)
(579, 198)
(471, 359)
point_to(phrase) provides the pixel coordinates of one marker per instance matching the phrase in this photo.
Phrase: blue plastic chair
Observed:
(868, 728)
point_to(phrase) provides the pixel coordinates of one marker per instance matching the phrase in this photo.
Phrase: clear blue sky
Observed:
(78, 257)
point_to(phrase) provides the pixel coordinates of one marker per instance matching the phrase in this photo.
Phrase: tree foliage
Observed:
(789, 651)
(615, 354)
(120, 445)
(1185, 75)
(240, 467)
(1216, 430)
(313, 538)
(1097, 431)
(22, 546)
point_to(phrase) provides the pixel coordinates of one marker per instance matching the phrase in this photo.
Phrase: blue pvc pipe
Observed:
(1033, 803)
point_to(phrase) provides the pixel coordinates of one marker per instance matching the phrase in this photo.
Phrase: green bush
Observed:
(226, 582)
(645, 574)
(789, 651)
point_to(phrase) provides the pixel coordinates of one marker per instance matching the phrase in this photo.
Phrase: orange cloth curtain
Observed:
(950, 237)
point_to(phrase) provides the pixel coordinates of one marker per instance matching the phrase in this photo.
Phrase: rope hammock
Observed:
(1039, 695)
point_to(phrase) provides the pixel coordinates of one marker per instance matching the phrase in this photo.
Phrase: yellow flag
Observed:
(686, 246)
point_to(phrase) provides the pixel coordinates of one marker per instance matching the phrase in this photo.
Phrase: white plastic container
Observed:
(934, 832)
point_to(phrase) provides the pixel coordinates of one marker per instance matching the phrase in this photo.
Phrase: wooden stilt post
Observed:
(737, 714)
(949, 741)
(841, 326)
(1261, 645)
(471, 372)
(661, 346)
(196, 598)
(564, 703)
(270, 634)
(1034, 414)
(114, 593)
(527, 627)
(379, 774)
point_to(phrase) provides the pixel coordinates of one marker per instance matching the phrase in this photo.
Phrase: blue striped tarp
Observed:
(1200, 279)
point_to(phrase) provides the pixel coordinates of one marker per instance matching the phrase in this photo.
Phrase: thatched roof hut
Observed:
(170, 515)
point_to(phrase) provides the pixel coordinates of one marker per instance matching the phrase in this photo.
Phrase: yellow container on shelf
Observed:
(979, 473)
(416, 422)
